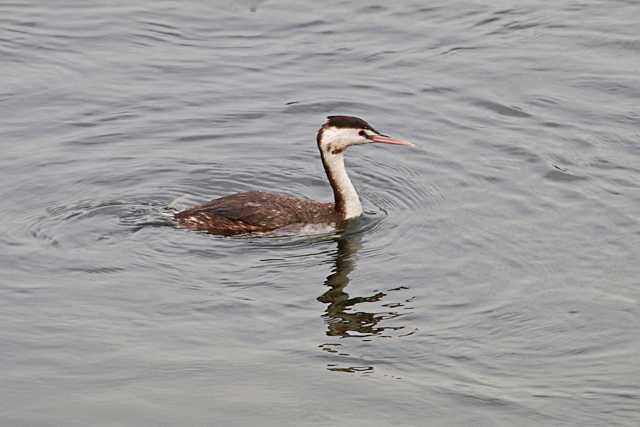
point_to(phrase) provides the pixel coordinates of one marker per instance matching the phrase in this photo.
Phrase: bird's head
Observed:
(340, 132)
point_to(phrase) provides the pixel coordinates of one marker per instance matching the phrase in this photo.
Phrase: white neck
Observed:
(347, 201)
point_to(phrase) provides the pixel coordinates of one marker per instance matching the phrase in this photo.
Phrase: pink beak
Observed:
(383, 139)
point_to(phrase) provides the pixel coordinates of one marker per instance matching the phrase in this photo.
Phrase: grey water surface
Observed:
(494, 280)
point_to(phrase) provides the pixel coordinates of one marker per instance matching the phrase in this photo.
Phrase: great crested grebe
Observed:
(256, 211)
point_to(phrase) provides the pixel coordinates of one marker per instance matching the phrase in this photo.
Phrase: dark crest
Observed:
(348, 122)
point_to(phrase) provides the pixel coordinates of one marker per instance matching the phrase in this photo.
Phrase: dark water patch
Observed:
(100, 138)
(606, 164)
(562, 175)
(372, 9)
(203, 137)
(486, 21)
(519, 152)
(457, 49)
(96, 270)
(438, 89)
(501, 109)
(316, 25)
(552, 124)
(324, 107)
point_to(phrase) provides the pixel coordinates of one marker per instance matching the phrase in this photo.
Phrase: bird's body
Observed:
(254, 212)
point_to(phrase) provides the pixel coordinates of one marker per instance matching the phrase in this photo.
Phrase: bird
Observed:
(263, 212)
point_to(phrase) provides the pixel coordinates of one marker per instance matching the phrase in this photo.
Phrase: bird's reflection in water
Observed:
(341, 321)
(341, 317)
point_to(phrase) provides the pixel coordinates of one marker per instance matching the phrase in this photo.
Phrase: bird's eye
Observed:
(362, 133)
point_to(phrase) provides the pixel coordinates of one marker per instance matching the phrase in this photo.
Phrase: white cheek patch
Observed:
(336, 140)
